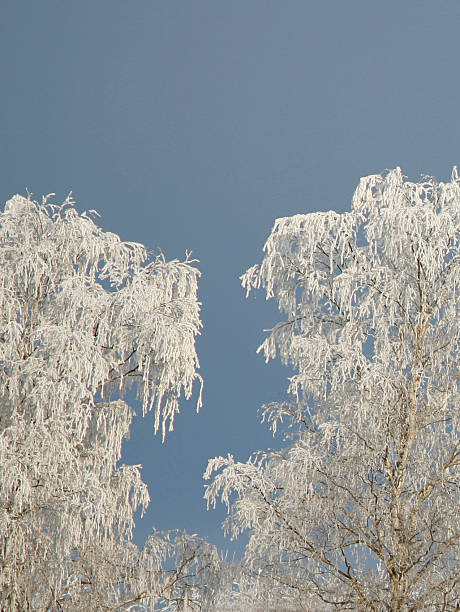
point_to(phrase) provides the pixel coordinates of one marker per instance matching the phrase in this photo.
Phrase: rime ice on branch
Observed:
(360, 509)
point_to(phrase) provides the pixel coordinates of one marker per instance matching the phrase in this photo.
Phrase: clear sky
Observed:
(192, 125)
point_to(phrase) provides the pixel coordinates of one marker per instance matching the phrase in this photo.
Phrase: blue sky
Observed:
(193, 125)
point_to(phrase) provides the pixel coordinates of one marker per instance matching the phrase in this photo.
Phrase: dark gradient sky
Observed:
(193, 125)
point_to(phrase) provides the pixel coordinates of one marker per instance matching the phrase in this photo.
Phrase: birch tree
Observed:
(360, 507)
(83, 316)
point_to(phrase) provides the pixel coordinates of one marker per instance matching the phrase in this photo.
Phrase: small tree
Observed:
(173, 571)
(361, 509)
(83, 316)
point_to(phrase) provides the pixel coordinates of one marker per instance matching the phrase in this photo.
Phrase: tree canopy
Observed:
(359, 509)
(83, 316)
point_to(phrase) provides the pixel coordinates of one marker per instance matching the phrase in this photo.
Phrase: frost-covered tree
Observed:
(360, 508)
(173, 572)
(196, 577)
(83, 316)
